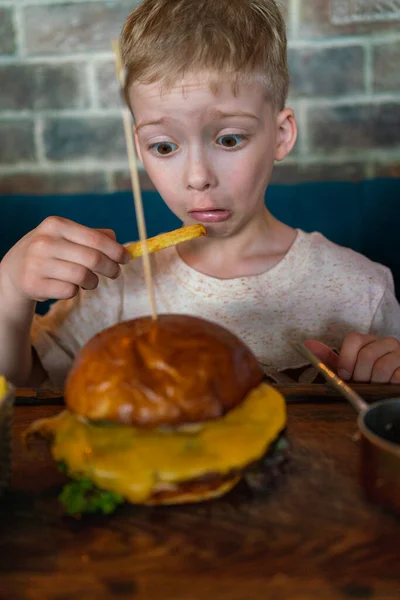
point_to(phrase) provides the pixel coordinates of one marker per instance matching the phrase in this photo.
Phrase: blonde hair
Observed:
(164, 39)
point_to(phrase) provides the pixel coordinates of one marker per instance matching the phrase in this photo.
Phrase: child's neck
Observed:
(256, 249)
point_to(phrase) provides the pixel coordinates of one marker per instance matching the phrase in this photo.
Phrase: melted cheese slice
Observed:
(136, 462)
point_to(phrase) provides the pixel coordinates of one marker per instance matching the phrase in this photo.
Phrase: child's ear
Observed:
(286, 133)
(139, 153)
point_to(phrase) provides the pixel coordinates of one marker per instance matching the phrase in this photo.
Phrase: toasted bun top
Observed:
(173, 371)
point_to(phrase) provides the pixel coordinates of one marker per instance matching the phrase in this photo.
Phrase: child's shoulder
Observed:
(339, 261)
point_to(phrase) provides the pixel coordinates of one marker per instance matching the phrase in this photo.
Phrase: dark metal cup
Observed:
(379, 426)
(380, 453)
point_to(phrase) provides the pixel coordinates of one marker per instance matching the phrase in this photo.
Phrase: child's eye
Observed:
(164, 148)
(230, 141)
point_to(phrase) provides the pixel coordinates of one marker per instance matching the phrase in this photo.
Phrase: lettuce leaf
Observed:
(82, 496)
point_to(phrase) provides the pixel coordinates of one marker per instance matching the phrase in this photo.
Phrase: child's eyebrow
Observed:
(161, 121)
(219, 114)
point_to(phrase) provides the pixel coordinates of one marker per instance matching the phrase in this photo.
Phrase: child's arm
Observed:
(53, 261)
(363, 357)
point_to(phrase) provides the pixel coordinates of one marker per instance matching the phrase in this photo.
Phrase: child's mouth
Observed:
(210, 216)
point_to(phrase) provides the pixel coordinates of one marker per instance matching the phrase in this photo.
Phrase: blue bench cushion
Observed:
(364, 216)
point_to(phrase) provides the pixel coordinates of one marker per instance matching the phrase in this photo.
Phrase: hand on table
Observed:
(362, 358)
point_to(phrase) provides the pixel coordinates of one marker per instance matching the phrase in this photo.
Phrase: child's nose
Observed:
(200, 174)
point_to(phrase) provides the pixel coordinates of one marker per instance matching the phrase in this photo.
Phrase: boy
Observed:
(207, 83)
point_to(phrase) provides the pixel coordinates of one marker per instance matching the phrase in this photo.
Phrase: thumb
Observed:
(108, 232)
(324, 353)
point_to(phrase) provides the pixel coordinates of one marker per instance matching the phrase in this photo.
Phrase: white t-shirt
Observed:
(319, 290)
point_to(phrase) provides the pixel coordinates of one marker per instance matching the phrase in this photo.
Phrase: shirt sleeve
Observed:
(386, 320)
(69, 324)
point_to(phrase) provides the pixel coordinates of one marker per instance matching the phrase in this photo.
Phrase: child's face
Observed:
(210, 155)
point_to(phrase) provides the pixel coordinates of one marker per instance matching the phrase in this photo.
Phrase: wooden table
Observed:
(312, 538)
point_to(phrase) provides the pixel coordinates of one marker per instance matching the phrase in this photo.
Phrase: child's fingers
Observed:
(70, 272)
(353, 343)
(324, 353)
(109, 232)
(91, 259)
(363, 357)
(369, 354)
(56, 290)
(396, 376)
(385, 367)
(85, 236)
(41, 283)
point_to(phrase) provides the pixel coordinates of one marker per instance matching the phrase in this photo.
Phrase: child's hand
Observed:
(58, 257)
(363, 357)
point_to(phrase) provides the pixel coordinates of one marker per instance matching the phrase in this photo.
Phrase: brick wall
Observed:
(60, 124)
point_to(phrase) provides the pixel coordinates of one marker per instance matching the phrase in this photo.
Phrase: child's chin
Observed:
(219, 230)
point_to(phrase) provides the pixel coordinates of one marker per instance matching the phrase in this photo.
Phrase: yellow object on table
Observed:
(7, 395)
(3, 387)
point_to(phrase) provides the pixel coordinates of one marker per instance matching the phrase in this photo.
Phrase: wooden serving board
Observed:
(312, 537)
(293, 391)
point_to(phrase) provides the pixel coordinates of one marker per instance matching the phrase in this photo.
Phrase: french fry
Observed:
(165, 240)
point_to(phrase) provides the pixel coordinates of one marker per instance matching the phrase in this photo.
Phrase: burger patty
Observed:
(194, 490)
(258, 476)
(262, 475)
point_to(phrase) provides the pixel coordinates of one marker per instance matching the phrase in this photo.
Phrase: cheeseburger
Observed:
(162, 412)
